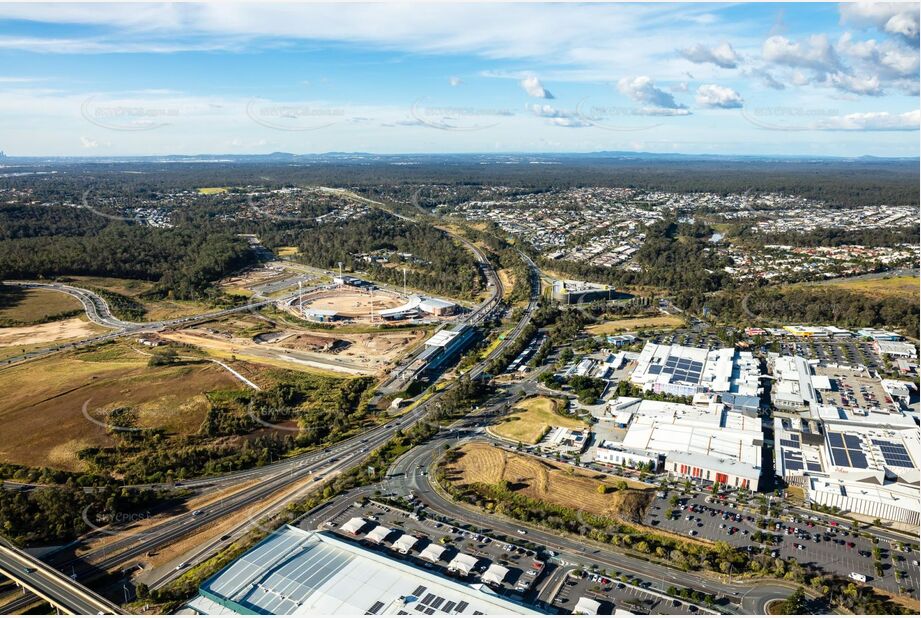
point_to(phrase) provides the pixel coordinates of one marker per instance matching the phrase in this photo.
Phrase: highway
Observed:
(65, 594)
(98, 312)
(284, 481)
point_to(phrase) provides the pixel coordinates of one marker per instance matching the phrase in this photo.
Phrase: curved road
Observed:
(406, 476)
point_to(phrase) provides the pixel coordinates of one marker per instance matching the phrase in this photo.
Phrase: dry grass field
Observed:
(532, 418)
(904, 287)
(641, 323)
(42, 421)
(37, 305)
(550, 482)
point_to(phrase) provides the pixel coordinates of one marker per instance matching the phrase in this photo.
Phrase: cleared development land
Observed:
(640, 323)
(21, 307)
(532, 418)
(42, 421)
(904, 287)
(550, 482)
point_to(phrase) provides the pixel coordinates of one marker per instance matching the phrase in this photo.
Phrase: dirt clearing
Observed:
(50, 332)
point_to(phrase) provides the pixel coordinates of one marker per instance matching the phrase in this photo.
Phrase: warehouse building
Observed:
(707, 442)
(297, 572)
(901, 349)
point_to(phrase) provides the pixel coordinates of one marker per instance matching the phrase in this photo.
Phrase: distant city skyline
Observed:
(700, 78)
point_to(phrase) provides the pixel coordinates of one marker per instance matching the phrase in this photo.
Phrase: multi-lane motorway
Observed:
(278, 484)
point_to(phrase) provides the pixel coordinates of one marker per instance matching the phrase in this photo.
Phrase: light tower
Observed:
(340, 272)
(300, 298)
(404, 281)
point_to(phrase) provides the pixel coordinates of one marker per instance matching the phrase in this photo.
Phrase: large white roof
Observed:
(301, 573)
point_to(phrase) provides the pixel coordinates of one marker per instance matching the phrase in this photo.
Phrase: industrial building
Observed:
(298, 572)
(708, 441)
(575, 292)
(685, 371)
(879, 335)
(901, 349)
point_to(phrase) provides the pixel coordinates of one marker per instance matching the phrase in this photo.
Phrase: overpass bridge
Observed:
(64, 594)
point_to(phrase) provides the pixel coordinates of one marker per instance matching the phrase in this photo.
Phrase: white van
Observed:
(858, 577)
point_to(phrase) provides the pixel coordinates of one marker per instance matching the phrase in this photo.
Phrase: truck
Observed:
(858, 577)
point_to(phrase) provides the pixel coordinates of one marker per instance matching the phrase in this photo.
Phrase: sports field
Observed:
(550, 482)
(532, 418)
(632, 324)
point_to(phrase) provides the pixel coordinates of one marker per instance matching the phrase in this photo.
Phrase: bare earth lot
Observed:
(62, 330)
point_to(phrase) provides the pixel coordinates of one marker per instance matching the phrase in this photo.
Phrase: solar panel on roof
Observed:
(428, 598)
(655, 370)
(839, 457)
(814, 466)
(461, 606)
(789, 443)
(858, 460)
(835, 439)
(448, 607)
(374, 608)
(418, 591)
(851, 441)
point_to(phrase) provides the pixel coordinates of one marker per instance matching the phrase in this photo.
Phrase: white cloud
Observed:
(723, 55)
(892, 17)
(531, 84)
(866, 85)
(679, 87)
(874, 121)
(767, 78)
(559, 117)
(643, 89)
(713, 95)
(814, 53)
(455, 81)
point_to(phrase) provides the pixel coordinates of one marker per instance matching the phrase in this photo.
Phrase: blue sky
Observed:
(134, 79)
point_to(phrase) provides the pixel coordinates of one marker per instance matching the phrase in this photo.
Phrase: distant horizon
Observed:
(510, 153)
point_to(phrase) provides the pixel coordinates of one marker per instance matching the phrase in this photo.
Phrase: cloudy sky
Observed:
(129, 79)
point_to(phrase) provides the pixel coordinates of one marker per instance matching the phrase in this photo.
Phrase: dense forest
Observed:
(183, 262)
(438, 264)
(817, 305)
